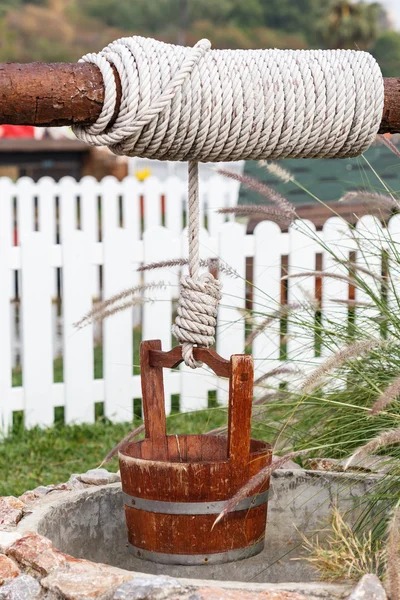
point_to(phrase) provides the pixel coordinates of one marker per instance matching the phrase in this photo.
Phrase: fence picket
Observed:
(216, 199)
(130, 188)
(175, 192)
(88, 193)
(369, 238)
(78, 343)
(37, 364)
(6, 231)
(117, 343)
(151, 191)
(393, 247)
(230, 328)
(338, 242)
(110, 217)
(301, 293)
(266, 291)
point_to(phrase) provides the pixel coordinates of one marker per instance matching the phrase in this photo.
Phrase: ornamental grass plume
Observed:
(277, 371)
(337, 360)
(277, 170)
(320, 274)
(352, 303)
(281, 202)
(391, 393)
(256, 482)
(259, 210)
(108, 307)
(393, 555)
(386, 438)
(376, 199)
(352, 266)
(209, 263)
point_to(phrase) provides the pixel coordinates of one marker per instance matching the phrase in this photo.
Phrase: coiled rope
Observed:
(198, 104)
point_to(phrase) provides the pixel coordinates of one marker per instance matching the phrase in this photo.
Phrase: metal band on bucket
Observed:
(191, 508)
(197, 559)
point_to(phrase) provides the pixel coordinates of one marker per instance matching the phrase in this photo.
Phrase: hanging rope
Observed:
(198, 104)
(199, 294)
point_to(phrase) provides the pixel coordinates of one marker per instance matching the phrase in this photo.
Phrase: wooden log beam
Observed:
(54, 94)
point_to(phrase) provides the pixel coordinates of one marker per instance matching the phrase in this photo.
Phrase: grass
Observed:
(344, 555)
(44, 456)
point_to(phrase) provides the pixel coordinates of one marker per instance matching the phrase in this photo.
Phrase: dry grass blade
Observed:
(277, 170)
(122, 444)
(393, 555)
(388, 142)
(218, 430)
(269, 397)
(387, 438)
(282, 311)
(355, 350)
(387, 397)
(265, 191)
(107, 307)
(276, 371)
(320, 274)
(255, 482)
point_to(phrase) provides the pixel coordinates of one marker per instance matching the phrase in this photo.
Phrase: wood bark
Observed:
(55, 94)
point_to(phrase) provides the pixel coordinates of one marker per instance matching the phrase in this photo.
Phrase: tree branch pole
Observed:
(55, 94)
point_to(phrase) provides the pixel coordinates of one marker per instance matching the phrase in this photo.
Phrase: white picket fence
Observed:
(60, 226)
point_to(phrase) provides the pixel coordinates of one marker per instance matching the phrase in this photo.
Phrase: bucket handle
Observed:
(239, 370)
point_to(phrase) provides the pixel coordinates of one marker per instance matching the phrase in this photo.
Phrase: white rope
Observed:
(199, 294)
(198, 104)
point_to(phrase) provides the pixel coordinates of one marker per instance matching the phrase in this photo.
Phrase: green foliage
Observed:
(387, 52)
(46, 456)
(134, 15)
(53, 30)
(346, 24)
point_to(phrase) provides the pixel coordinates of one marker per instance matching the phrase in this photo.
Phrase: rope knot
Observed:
(197, 314)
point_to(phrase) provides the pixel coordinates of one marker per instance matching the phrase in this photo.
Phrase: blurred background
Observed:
(63, 30)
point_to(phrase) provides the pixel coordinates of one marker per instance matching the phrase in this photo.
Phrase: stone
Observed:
(43, 490)
(11, 510)
(74, 483)
(368, 588)
(8, 569)
(99, 477)
(7, 539)
(289, 464)
(37, 553)
(213, 593)
(23, 587)
(142, 588)
(29, 497)
(84, 580)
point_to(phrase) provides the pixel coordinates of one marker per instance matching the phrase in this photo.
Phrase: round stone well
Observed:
(90, 524)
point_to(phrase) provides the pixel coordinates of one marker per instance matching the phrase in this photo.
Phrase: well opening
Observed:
(91, 524)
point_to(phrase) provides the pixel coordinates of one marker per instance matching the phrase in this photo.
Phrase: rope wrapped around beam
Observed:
(196, 104)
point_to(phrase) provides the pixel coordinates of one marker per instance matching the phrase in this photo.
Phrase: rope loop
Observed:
(197, 314)
(197, 104)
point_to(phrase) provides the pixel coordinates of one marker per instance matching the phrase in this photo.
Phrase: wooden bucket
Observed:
(175, 486)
